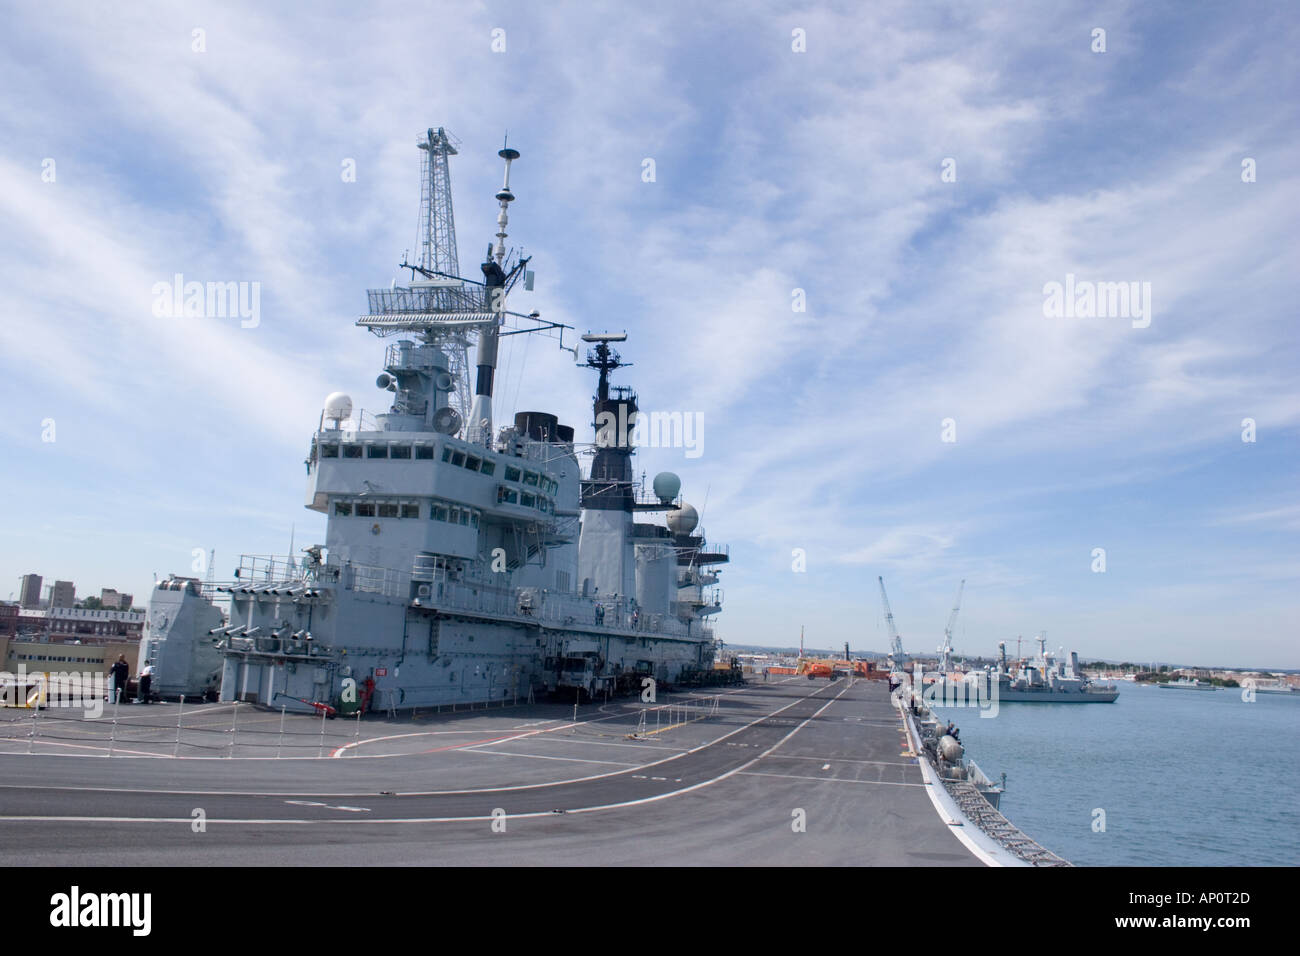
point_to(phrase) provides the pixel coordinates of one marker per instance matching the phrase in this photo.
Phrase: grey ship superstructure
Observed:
(463, 564)
(1046, 680)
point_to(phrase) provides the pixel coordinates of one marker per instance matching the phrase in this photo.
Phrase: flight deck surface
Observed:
(791, 772)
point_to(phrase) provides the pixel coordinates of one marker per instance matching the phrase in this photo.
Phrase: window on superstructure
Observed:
(458, 459)
(438, 512)
(410, 511)
(400, 451)
(388, 511)
(473, 463)
(424, 452)
(376, 451)
(530, 478)
(351, 451)
(446, 453)
(473, 518)
(489, 467)
(512, 473)
(342, 508)
(329, 451)
(527, 500)
(365, 509)
(464, 516)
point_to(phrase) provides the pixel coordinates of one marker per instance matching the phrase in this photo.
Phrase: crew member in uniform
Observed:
(146, 678)
(121, 670)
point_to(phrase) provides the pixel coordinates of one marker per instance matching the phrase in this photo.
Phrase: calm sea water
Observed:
(1185, 778)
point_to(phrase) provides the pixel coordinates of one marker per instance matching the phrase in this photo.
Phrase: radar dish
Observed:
(666, 486)
(683, 520)
(446, 420)
(338, 406)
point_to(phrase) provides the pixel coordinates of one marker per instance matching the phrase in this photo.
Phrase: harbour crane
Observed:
(897, 656)
(945, 652)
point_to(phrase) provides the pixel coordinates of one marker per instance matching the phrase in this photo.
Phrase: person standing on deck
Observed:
(121, 670)
(146, 678)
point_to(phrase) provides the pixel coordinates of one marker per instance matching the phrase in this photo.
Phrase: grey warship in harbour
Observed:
(461, 563)
(465, 572)
(1046, 680)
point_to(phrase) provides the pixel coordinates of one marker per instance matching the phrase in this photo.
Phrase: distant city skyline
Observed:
(951, 292)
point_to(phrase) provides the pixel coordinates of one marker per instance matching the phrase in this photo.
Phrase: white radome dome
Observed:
(683, 520)
(338, 406)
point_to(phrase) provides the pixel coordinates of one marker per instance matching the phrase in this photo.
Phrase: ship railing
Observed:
(554, 607)
(256, 569)
(977, 776)
(376, 580)
(360, 421)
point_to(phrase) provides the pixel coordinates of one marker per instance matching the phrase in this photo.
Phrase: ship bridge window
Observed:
(351, 451)
(507, 496)
(464, 516)
(410, 510)
(343, 508)
(329, 451)
(473, 518)
(527, 500)
(365, 509)
(489, 467)
(400, 451)
(473, 463)
(376, 451)
(530, 478)
(388, 511)
(424, 452)
(512, 473)
(438, 512)
(458, 458)
(446, 453)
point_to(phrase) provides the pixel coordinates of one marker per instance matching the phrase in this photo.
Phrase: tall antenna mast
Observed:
(437, 222)
(496, 283)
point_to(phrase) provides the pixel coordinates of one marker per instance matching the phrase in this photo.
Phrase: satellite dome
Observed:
(338, 406)
(683, 520)
(666, 486)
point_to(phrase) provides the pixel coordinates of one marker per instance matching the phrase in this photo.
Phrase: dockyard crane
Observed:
(945, 652)
(897, 655)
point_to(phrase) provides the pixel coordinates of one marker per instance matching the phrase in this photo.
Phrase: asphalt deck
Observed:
(791, 772)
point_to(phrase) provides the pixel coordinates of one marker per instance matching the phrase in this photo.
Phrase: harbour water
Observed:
(1184, 779)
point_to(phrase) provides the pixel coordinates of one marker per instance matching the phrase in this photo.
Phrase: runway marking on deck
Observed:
(310, 803)
(886, 763)
(792, 776)
(428, 793)
(504, 753)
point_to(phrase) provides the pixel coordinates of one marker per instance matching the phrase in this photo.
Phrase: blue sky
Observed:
(775, 170)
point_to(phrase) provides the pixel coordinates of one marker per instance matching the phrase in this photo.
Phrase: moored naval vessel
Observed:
(1185, 683)
(461, 563)
(1045, 679)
